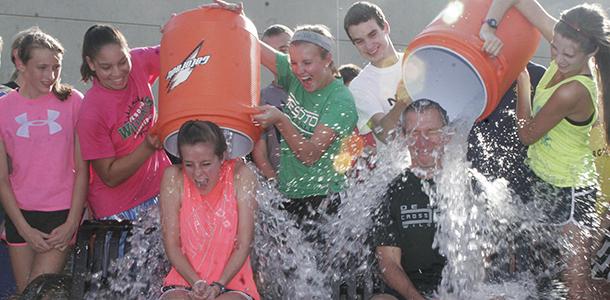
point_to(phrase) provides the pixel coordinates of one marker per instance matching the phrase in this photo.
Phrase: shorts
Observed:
(309, 212)
(188, 289)
(310, 208)
(44, 221)
(563, 205)
(600, 265)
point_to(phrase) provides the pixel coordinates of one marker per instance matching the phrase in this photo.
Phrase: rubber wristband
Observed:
(220, 286)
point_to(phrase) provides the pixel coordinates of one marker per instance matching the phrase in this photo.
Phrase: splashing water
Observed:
(289, 263)
(140, 273)
(470, 223)
(291, 266)
(483, 229)
(480, 227)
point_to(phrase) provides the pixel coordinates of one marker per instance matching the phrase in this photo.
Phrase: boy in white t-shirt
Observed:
(375, 88)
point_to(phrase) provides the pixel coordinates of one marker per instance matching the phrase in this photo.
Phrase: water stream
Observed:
(480, 226)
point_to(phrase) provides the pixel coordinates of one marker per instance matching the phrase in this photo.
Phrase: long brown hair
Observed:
(41, 40)
(589, 27)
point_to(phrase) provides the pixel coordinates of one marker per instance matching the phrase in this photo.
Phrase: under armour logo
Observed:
(24, 129)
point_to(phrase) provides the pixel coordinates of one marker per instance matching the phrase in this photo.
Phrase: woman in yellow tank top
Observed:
(557, 124)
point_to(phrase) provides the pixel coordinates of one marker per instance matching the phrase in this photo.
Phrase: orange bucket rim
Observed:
(172, 133)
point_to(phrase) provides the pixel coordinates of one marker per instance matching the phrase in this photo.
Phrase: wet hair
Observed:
(589, 27)
(349, 72)
(197, 131)
(276, 29)
(361, 12)
(41, 40)
(15, 47)
(96, 37)
(421, 105)
(319, 29)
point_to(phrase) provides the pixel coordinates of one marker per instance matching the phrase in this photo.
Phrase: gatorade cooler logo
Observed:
(181, 73)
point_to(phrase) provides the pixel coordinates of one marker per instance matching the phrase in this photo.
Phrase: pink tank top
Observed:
(208, 229)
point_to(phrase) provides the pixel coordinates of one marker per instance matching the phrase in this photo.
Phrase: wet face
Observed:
(372, 41)
(424, 132)
(111, 65)
(279, 42)
(40, 72)
(569, 56)
(201, 165)
(309, 67)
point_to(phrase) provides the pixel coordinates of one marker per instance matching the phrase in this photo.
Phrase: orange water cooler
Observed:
(445, 62)
(210, 70)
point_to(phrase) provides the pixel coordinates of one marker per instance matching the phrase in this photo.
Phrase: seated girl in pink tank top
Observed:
(207, 217)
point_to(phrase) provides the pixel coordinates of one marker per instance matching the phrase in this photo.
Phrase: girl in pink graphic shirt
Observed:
(114, 125)
(44, 192)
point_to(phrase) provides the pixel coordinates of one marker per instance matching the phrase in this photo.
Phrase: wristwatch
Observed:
(220, 286)
(491, 22)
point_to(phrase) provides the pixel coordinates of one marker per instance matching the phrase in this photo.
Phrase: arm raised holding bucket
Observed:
(266, 152)
(529, 8)
(531, 128)
(312, 71)
(115, 125)
(318, 116)
(308, 150)
(557, 124)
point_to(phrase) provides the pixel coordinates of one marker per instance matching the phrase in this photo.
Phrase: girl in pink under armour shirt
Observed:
(207, 217)
(43, 180)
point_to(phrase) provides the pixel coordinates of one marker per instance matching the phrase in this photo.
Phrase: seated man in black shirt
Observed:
(410, 267)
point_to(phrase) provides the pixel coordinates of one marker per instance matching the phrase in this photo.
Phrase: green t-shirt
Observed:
(332, 106)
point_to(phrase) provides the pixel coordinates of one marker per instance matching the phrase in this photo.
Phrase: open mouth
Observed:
(306, 81)
(373, 52)
(118, 82)
(200, 182)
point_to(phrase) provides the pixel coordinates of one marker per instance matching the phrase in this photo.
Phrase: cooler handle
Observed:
(500, 64)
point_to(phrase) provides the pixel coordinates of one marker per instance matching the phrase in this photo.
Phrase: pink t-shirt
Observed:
(38, 136)
(113, 124)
